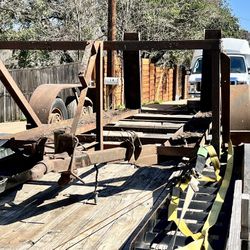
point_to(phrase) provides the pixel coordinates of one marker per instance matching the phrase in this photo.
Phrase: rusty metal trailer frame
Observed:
(67, 162)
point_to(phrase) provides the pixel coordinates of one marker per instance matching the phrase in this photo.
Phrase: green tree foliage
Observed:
(177, 20)
(83, 20)
(48, 20)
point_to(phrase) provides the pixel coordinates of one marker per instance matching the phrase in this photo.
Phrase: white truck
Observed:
(239, 52)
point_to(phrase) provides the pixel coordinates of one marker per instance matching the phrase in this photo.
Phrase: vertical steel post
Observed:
(225, 96)
(132, 75)
(206, 81)
(216, 103)
(183, 83)
(99, 98)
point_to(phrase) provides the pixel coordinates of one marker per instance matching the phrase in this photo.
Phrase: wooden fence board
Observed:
(157, 84)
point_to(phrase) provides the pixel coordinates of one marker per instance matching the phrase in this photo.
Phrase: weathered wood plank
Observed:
(234, 240)
(43, 216)
(245, 217)
(246, 169)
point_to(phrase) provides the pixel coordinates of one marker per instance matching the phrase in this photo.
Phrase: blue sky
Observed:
(241, 9)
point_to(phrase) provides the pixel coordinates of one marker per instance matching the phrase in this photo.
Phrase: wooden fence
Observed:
(157, 85)
(28, 80)
(157, 82)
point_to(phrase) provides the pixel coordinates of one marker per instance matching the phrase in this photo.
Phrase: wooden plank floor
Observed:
(42, 215)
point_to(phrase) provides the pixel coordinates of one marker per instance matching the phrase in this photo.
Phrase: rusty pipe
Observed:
(60, 162)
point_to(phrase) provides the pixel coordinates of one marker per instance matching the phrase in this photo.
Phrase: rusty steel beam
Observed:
(225, 96)
(162, 45)
(124, 135)
(156, 129)
(132, 75)
(18, 96)
(88, 63)
(44, 45)
(113, 45)
(216, 101)
(86, 124)
(172, 151)
(79, 109)
(210, 86)
(61, 162)
(240, 136)
(207, 70)
(99, 98)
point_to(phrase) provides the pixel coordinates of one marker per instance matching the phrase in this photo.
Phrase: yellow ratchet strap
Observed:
(172, 214)
(202, 239)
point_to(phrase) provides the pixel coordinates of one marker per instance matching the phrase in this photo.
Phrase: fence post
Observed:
(183, 83)
(175, 82)
(145, 80)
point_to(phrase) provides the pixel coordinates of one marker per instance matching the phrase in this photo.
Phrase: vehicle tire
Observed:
(72, 106)
(58, 111)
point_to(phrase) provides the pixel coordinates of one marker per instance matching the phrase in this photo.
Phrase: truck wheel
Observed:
(58, 111)
(71, 105)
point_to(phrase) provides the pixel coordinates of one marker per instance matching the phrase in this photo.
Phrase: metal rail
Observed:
(212, 44)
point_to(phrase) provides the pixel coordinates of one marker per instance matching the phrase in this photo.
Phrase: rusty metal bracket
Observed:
(18, 96)
(133, 146)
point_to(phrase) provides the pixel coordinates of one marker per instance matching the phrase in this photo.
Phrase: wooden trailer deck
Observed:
(44, 216)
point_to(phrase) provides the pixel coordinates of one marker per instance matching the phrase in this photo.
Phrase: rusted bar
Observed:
(240, 136)
(183, 83)
(99, 98)
(62, 161)
(87, 123)
(177, 151)
(18, 96)
(132, 75)
(124, 135)
(44, 45)
(88, 63)
(225, 96)
(109, 45)
(216, 103)
(79, 109)
(85, 78)
(161, 45)
(206, 80)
